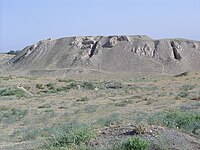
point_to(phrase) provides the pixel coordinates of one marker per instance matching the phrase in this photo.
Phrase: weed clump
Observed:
(11, 115)
(187, 121)
(184, 90)
(109, 120)
(83, 99)
(66, 80)
(133, 143)
(187, 87)
(88, 86)
(72, 85)
(183, 94)
(12, 92)
(50, 85)
(70, 135)
(40, 86)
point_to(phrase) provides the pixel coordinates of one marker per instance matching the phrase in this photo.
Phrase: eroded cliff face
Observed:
(112, 53)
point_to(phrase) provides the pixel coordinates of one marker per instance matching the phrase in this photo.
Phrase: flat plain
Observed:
(100, 111)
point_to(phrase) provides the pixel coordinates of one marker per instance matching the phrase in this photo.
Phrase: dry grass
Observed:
(91, 102)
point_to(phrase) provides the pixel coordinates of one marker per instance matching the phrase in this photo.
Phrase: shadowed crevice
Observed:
(93, 50)
(175, 51)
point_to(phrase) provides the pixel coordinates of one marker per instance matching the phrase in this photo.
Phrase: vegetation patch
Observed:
(66, 80)
(50, 85)
(185, 90)
(11, 115)
(187, 87)
(72, 85)
(7, 78)
(109, 120)
(70, 135)
(124, 103)
(51, 88)
(83, 99)
(90, 108)
(12, 91)
(40, 86)
(88, 85)
(28, 133)
(12, 52)
(183, 94)
(45, 106)
(187, 121)
(132, 143)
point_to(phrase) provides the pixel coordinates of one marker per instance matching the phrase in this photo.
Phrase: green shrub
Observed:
(39, 86)
(12, 92)
(90, 108)
(187, 121)
(11, 115)
(72, 85)
(83, 99)
(59, 89)
(124, 103)
(70, 135)
(45, 106)
(183, 94)
(29, 133)
(88, 86)
(132, 143)
(50, 85)
(56, 89)
(7, 78)
(185, 90)
(187, 87)
(13, 52)
(52, 91)
(109, 120)
(66, 80)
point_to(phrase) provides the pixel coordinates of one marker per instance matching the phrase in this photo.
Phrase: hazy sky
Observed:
(25, 22)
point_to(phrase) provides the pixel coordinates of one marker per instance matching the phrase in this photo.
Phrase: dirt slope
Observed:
(113, 53)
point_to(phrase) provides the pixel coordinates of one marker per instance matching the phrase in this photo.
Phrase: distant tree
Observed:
(13, 52)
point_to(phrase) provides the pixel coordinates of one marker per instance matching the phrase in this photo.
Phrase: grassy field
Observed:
(100, 112)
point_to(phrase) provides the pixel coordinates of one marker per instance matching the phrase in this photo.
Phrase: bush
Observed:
(83, 99)
(110, 120)
(39, 86)
(185, 90)
(88, 86)
(11, 114)
(12, 92)
(187, 121)
(124, 103)
(183, 94)
(29, 133)
(72, 85)
(13, 52)
(50, 85)
(132, 143)
(187, 87)
(90, 108)
(70, 135)
(66, 80)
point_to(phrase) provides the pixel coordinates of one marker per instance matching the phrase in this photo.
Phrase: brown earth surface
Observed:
(117, 106)
(88, 54)
(120, 86)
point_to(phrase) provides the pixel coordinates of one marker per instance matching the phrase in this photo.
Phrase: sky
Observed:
(25, 22)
